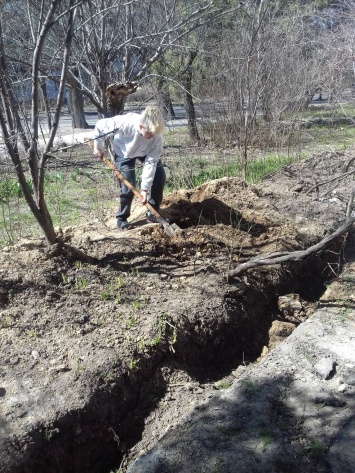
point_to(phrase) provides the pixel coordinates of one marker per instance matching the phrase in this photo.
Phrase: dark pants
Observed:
(127, 168)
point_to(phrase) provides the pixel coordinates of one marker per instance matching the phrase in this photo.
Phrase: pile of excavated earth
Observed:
(143, 352)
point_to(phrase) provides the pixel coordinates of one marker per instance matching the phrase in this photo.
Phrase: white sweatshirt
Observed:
(129, 143)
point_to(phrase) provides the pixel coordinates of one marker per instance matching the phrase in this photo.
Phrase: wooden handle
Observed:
(129, 185)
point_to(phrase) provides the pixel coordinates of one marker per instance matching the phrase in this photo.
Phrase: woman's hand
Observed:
(98, 153)
(144, 198)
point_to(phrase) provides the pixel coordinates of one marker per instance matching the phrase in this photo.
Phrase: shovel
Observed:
(169, 228)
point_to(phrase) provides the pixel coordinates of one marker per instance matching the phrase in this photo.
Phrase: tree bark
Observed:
(77, 109)
(186, 79)
(46, 106)
(117, 94)
(164, 100)
(12, 126)
(277, 258)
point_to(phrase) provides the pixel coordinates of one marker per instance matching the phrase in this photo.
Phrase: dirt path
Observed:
(99, 360)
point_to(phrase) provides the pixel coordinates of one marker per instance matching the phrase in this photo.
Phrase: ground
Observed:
(105, 349)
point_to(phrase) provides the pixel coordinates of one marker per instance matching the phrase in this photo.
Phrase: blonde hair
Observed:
(152, 120)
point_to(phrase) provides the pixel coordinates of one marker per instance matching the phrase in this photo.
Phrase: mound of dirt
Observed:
(95, 351)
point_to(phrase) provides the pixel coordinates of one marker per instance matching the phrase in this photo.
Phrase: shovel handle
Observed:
(129, 185)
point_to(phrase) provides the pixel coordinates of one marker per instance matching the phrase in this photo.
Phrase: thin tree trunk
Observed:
(164, 100)
(46, 106)
(36, 158)
(186, 79)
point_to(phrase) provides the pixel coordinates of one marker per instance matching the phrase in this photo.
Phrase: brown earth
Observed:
(92, 352)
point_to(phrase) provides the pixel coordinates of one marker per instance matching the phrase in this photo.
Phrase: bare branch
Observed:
(277, 258)
(339, 177)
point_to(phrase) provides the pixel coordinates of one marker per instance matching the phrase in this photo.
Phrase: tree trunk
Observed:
(164, 100)
(77, 109)
(117, 94)
(46, 106)
(186, 79)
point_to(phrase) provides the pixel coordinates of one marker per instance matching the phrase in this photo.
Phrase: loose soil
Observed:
(101, 356)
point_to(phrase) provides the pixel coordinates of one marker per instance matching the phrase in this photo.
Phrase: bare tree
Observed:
(267, 64)
(117, 42)
(21, 135)
(186, 80)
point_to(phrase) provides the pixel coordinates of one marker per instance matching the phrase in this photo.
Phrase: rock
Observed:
(325, 367)
(349, 377)
(35, 354)
(291, 308)
(279, 331)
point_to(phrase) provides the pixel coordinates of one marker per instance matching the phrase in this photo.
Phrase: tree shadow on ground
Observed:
(257, 426)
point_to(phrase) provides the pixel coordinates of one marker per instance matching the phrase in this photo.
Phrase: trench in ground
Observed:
(113, 420)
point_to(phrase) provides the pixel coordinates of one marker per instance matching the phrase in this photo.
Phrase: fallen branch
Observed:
(332, 179)
(282, 257)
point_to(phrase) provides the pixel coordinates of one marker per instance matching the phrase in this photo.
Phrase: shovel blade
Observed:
(171, 228)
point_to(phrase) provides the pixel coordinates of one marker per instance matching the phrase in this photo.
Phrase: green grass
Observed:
(328, 111)
(196, 174)
(70, 201)
(258, 168)
(9, 188)
(317, 448)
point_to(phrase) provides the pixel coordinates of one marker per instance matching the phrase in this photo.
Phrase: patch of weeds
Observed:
(266, 437)
(223, 385)
(104, 296)
(316, 448)
(135, 272)
(250, 385)
(4, 322)
(10, 188)
(78, 264)
(167, 331)
(136, 305)
(49, 433)
(111, 376)
(32, 333)
(133, 363)
(310, 357)
(118, 282)
(80, 282)
(74, 175)
(113, 290)
(261, 167)
(156, 340)
(131, 322)
(64, 278)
